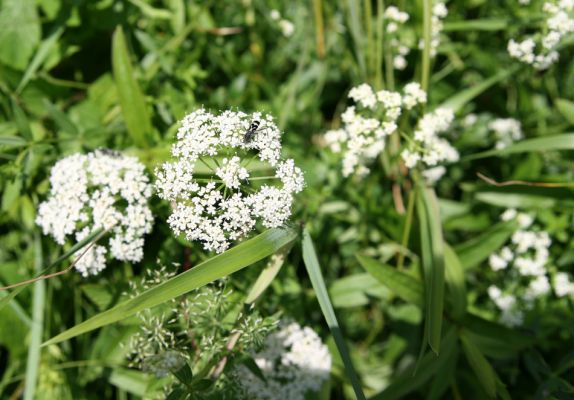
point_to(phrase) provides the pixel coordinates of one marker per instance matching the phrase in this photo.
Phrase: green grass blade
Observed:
(77, 247)
(455, 283)
(474, 251)
(413, 378)
(433, 264)
(566, 108)
(217, 267)
(267, 275)
(556, 142)
(132, 101)
(33, 362)
(459, 100)
(480, 365)
(403, 285)
(485, 24)
(314, 271)
(426, 53)
(40, 56)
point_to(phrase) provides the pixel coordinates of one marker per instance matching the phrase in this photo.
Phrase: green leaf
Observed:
(41, 55)
(19, 32)
(403, 285)
(455, 284)
(486, 24)
(566, 108)
(215, 268)
(132, 102)
(459, 100)
(564, 141)
(474, 251)
(316, 277)
(267, 275)
(433, 264)
(12, 141)
(184, 374)
(413, 378)
(479, 364)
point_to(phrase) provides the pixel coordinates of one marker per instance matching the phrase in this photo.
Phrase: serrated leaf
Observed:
(217, 267)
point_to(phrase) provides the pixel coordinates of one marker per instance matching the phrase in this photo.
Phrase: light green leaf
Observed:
(403, 285)
(132, 101)
(433, 263)
(455, 284)
(481, 367)
(316, 277)
(564, 141)
(19, 32)
(216, 267)
(474, 251)
(40, 56)
(268, 274)
(12, 141)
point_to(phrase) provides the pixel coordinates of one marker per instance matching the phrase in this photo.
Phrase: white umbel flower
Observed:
(102, 189)
(294, 362)
(506, 131)
(439, 13)
(216, 199)
(558, 23)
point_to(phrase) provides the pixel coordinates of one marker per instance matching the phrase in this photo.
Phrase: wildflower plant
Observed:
(99, 190)
(216, 198)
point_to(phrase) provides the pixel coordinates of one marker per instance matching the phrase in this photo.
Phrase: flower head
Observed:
(216, 198)
(101, 189)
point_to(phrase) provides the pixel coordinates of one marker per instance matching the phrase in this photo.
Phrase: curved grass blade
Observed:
(479, 364)
(132, 101)
(555, 142)
(216, 267)
(314, 270)
(403, 285)
(268, 274)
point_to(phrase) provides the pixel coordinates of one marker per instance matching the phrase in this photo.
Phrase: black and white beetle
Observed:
(251, 131)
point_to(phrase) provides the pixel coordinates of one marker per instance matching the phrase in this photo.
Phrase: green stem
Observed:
(407, 229)
(427, 28)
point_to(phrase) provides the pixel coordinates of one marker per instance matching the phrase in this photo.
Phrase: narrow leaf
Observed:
(566, 108)
(455, 283)
(564, 141)
(474, 251)
(267, 275)
(479, 364)
(316, 277)
(403, 285)
(215, 268)
(132, 101)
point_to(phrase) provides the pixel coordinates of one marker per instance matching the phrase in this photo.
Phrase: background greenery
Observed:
(78, 75)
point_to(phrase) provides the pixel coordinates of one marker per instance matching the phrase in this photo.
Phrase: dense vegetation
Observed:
(428, 255)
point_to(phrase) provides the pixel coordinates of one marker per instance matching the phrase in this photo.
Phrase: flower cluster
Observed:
(524, 262)
(294, 361)
(214, 198)
(368, 123)
(395, 18)
(541, 52)
(427, 147)
(286, 26)
(102, 189)
(506, 131)
(439, 12)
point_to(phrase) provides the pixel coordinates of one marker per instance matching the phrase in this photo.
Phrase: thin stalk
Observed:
(379, 46)
(33, 361)
(427, 28)
(370, 39)
(319, 28)
(407, 229)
